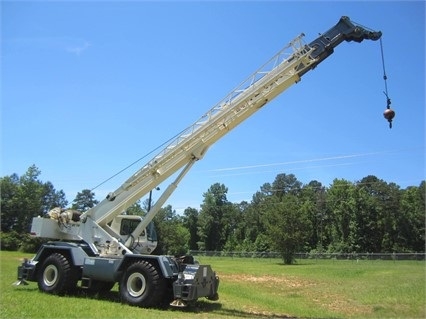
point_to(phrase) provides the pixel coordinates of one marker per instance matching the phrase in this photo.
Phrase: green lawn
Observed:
(250, 288)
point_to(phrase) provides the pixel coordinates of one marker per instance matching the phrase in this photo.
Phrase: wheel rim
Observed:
(50, 275)
(136, 284)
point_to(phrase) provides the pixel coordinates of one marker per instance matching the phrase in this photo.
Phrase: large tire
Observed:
(56, 275)
(142, 285)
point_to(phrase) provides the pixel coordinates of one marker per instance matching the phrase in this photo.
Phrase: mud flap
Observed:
(193, 282)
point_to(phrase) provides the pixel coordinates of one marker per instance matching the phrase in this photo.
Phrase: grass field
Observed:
(249, 288)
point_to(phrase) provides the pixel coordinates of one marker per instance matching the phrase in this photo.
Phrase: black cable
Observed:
(138, 160)
(384, 73)
(389, 114)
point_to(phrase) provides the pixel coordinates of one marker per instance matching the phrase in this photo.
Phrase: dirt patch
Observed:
(321, 297)
(341, 304)
(268, 280)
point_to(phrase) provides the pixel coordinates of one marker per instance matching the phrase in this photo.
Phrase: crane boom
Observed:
(275, 76)
(263, 85)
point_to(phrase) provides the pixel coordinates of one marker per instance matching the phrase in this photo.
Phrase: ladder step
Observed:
(86, 282)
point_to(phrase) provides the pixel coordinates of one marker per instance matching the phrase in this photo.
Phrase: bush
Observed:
(30, 244)
(10, 241)
(13, 241)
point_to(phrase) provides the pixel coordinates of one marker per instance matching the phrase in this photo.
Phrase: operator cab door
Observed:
(124, 225)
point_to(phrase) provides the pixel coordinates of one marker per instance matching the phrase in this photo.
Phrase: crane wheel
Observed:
(56, 275)
(142, 285)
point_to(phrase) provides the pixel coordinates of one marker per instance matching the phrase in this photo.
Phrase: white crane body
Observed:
(93, 243)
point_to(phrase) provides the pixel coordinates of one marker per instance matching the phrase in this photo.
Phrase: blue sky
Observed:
(88, 87)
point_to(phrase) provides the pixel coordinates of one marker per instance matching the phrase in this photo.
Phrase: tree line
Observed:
(285, 216)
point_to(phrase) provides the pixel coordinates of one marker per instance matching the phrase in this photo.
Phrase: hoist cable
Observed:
(384, 73)
(389, 114)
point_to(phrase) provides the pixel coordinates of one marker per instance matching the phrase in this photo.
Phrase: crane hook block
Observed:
(389, 114)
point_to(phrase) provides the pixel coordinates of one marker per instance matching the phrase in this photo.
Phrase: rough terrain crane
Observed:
(102, 246)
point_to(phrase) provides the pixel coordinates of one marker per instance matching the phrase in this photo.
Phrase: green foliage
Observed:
(25, 197)
(341, 208)
(172, 236)
(84, 200)
(31, 245)
(135, 209)
(288, 226)
(286, 184)
(216, 219)
(190, 221)
(411, 220)
(285, 215)
(12, 241)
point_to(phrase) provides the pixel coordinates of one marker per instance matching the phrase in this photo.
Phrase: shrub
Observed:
(30, 244)
(10, 241)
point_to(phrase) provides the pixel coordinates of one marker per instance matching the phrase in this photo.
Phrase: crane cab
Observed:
(124, 225)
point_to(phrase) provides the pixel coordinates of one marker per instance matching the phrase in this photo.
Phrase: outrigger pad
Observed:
(178, 303)
(20, 283)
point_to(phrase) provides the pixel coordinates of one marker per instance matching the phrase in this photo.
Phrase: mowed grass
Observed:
(249, 288)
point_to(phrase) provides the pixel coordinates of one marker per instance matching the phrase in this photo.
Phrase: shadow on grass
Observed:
(219, 310)
(111, 296)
